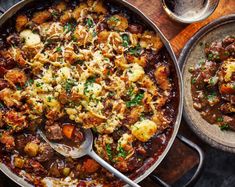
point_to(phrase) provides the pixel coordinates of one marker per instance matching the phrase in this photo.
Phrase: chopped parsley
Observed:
(210, 56)
(1, 105)
(224, 127)
(142, 117)
(49, 98)
(226, 53)
(130, 91)
(90, 22)
(136, 51)
(69, 84)
(58, 49)
(125, 40)
(18, 87)
(89, 82)
(39, 84)
(55, 14)
(220, 119)
(136, 100)
(115, 19)
(74, 38)
(109, 151)
(122, 153)
(111, 94)
(69, 27)
(211, 96)
(193, 81)
(29, 82)
(213, 81)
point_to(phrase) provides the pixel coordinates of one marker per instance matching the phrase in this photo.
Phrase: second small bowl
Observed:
(189, 11)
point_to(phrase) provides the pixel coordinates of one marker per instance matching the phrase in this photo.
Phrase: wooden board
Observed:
(180, 158)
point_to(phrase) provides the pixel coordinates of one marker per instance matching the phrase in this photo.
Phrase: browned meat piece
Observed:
(121, 164)
(6, 60)
(21, 21)
(23, 139)
(9, 97)
(216, 52)
(135, 28)
(16, 120)
(13, 39)
(54, 132)
(16, 76)
(35, 167)
(3, 84)
(63, 97)
(102, 26)
(45, 152)
(228, 40)
(8, 140)
(231, 49)
(56, 168)
(41, 17)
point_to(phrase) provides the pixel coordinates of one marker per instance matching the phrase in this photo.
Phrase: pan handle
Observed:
(197, 173)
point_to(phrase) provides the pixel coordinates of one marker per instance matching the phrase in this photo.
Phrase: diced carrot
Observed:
(68, 131)
(227, 89)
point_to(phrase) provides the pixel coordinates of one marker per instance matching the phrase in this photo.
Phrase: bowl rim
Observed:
(182, 62)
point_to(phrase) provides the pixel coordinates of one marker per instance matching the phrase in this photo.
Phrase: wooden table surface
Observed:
(180, 159)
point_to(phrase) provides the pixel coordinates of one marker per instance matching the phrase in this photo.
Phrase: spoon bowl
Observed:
(86, 148)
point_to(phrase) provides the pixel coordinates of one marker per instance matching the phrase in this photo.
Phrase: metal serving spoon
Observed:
(86, 148)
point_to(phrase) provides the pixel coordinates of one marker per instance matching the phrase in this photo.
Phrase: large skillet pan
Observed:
(9, 14)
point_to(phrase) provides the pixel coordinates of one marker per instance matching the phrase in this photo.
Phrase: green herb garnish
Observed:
(125, 40)
(122, 153)
(109, 151)
(210, 56)
(220, 119)
(193, 81)
(211, 96)
(89, 22)
(115, 19)
(58, 49)
(1, 105)
(89, 82)
(136, 51)
(39, 84)
(49, 98)
(29, 82)
(69, 27)
(226, 53)
(18, 87)
(69, 84)
(213, 81)
(224, 127)
(136, 100)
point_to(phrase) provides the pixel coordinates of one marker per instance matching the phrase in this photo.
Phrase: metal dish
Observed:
(190, 55)
(189, 11)
(10, 13)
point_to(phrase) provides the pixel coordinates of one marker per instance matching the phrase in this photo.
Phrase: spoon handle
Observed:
(107, 166)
